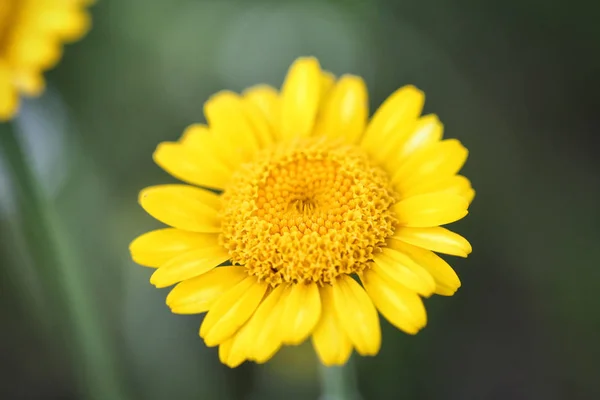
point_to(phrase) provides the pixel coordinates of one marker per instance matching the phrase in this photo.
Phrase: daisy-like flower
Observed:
(323, 218)
(32, 33)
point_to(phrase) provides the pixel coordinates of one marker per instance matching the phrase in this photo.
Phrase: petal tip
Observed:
(132, 246)
(413, 91)
(233, 363)
(368, 352)
(306, 60)
(203, 329)
(160, 150)
(210, 341)
(143, 196)
(157, 281)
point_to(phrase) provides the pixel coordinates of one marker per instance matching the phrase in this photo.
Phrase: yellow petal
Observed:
(225, 114)
(468, 195)
(427, 131)
(184, 164)
(345, 110)
(400, 268)
(301, 312)
(231, 311)
(442, 159)
(196, 295)
(29, 82)
(181, 206)
(33, 51)
(456, 184)
(154, 248)
(435, 238)
(402, 307)
(357, 315)
(259, 122)
(267, 100)
(261, 337)
(69, 23)
(203, 143)
(225, 350)
(432, 209)
(332, 345)
(327, 81)
(188, 265)
(9, 100)
(227, 356)
(447, 282)
(390, 122)
(300, 97)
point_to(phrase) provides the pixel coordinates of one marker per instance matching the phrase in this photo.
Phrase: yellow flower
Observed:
(315, 199)
(32, 33)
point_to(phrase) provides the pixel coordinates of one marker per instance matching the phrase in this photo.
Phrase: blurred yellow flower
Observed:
(325, 217)
(32, 33)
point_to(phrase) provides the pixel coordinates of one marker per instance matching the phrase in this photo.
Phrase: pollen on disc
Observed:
(307, 211)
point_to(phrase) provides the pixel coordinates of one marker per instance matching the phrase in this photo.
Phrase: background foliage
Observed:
(511, 79)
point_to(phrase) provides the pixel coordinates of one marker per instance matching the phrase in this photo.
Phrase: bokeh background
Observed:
(515, 80)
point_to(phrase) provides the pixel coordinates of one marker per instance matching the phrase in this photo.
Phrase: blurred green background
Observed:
(513, 80)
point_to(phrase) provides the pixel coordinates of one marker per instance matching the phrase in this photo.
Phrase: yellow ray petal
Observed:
(154, 248)
(267, 100)
(182, 206)
(259, 122)
(227, 356)
(301, 312)
(427, 131)
(345, 110)
(400, 268)
(261, 337)
(203, 143)
(196, 295)
(468, 195)
(399, 305)
(432, 209)
(226, 117)
(327, 82)
(300, 97)
(33, 51)
(9, 100)
(231, 311)
(29, 82)
(69, 23)
(225, 350)
(435, 238)
(183, 164)
(390, 122)
(332, 345)
(357, 315)
(447, 282)
(188, 265)
(456, 184)
(442, 159)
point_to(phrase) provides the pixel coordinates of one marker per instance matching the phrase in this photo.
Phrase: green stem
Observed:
(339, 383)
(61, 275)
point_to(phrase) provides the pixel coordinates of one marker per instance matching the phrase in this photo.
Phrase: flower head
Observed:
(32, 33)
(324, 217)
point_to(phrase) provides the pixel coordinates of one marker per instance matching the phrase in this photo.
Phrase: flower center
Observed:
(307, 211)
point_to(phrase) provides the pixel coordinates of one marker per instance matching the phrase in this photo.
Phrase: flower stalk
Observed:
(60, 272)
(339, 383)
